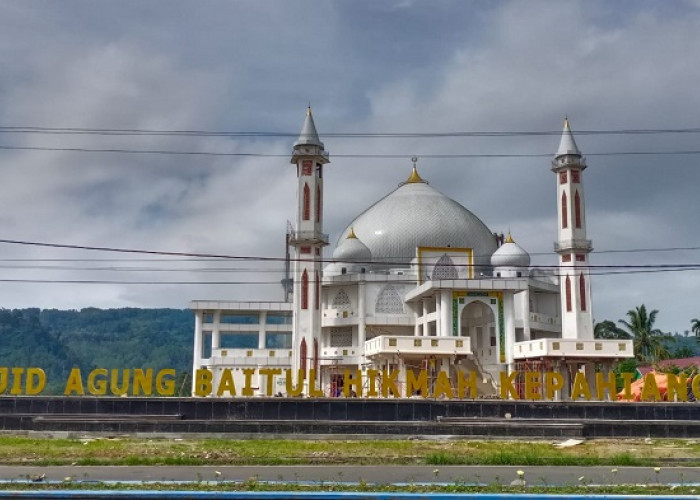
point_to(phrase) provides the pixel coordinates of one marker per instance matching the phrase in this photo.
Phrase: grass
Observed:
(22, 450)
(18, 450)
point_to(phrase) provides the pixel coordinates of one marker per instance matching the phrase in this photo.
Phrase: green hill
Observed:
(57, 341)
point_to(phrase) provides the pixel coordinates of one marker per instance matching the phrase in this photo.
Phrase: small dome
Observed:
(510, 254)
(351, 249)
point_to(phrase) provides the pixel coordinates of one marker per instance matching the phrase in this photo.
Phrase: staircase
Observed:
(485, 385)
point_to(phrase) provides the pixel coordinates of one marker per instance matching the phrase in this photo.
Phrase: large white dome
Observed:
(416, 215)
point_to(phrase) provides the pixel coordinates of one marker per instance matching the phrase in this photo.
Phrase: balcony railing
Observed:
(573, 348)
(585, 245)
(544, 319)
(385, 345)
(308, 237)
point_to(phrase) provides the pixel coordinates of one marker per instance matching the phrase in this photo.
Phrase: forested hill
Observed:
(57, 341)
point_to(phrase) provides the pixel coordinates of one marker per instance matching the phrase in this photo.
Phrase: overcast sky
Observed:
(365, 67)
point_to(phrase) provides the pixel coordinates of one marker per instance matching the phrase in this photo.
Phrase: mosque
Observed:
(418, 287)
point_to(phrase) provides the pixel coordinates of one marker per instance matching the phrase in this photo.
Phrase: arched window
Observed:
(304, 290)
(307, 203)
(315, 362)
(317, 292)
(302, 357)
(577, 209)
(564, 215)
(318, 203)
(568, 294)
(389, 301)
(445, 269)
(341, 300)
(582, 291)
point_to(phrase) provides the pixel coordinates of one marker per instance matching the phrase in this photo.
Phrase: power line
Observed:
(207, 256)
(593, 269)
(407, 279)
(178, 258)
(399, 135)
(326, 261)
(349, 155)
(142, 269)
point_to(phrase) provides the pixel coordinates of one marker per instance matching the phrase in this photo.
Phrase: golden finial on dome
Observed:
(308, 110)
(414, 177)
(509, 238)
(351, 234)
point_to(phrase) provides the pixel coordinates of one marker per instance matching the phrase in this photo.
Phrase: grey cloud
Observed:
(413, 67)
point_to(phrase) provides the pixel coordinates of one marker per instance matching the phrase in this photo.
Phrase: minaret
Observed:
(572, 246)
(308, 241)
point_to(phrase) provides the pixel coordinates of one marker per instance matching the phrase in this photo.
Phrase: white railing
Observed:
(575, 244)
(226, 356)
(307, 236)
(395, 344)
(572, 348)
(544, 319)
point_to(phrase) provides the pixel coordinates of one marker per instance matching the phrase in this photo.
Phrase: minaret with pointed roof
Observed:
(308, 241)
(571, 245)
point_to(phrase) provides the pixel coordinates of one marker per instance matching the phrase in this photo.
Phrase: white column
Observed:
(361, 320)
(416, 319)
(525, 307)
(197, 357)
(261, 329)
(446, 311)
(509, 325)
(215, 333)
(426, 326)
(438, 317)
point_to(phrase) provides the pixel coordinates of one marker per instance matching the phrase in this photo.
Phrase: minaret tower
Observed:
(308, 241)
(572, 246)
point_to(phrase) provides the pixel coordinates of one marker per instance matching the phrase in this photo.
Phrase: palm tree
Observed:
(608, 330)
(695, 327)
(649, 342)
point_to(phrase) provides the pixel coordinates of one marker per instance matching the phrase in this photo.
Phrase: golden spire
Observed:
(414, 177)
(351, 234)
(509, 238)
(308, 110)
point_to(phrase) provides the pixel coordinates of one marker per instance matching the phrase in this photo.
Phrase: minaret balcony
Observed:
(301, 151)
(576, 245)
(568, 161)
(307, 238)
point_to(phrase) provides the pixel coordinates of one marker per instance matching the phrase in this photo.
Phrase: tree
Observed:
(683, 352)
(650, 344)
(608, 330)
(695, 327)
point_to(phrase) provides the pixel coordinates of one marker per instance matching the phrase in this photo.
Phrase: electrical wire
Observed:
(342, 155)
(386, 262)
(400, 135)
(407, 279)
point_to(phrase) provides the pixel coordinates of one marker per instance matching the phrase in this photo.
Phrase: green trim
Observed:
(501, 330)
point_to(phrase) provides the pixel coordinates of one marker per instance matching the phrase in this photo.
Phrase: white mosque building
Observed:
(417, 284)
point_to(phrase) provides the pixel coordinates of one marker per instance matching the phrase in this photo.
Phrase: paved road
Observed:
(370, 474)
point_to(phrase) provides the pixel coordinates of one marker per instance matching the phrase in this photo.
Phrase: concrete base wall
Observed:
(487, 418)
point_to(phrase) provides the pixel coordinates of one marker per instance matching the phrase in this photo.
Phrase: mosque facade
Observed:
(417, 287)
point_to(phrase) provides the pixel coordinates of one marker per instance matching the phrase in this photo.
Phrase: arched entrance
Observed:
(478, 322)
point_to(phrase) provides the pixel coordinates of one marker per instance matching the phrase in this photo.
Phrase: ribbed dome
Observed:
(510, 254)
(415, 215)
